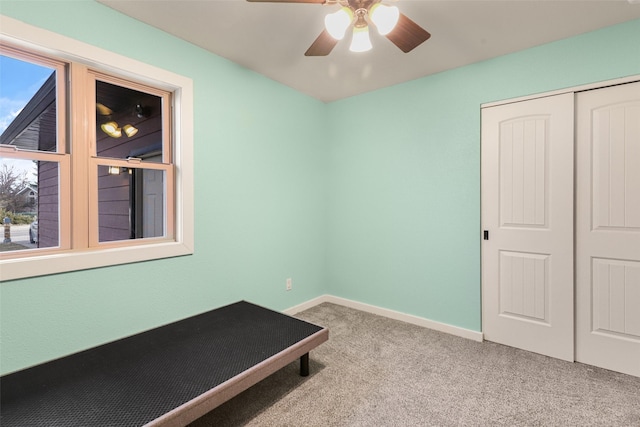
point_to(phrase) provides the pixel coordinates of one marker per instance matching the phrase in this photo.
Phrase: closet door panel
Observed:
(527, 210)
(608, 228)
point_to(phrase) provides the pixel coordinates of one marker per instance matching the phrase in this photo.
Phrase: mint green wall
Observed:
(386, 213)
(260, 203)
(404, 186)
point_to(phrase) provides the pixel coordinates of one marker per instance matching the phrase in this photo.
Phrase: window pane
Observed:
(130, 203)
(28, 107)
(128, 123)
(29, 197)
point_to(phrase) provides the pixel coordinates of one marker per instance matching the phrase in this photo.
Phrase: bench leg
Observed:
(304, 365)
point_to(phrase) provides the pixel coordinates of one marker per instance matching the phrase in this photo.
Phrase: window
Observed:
(91, 196)
(33, 152)
(131, 173)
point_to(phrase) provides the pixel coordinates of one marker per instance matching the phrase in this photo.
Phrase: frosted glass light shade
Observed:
(360, 41)
(337, 23)
(111, 129)
(385, 17)
(130, 130)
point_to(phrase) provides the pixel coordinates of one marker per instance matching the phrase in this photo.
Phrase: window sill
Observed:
(62, 262)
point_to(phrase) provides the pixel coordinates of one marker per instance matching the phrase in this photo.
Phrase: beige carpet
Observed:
(374, 371)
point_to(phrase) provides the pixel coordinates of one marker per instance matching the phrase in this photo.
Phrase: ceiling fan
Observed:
(392, 24)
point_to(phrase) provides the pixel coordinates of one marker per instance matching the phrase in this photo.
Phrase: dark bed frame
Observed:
(168, 376)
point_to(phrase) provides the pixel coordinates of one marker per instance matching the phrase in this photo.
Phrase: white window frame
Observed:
(42, 41)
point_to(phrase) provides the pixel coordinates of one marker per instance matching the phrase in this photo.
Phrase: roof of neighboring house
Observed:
(35, 127)
(29, 187)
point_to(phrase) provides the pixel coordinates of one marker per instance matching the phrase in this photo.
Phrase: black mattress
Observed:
(137, 379)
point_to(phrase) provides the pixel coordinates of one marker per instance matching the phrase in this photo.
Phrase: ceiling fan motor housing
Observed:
(361, 4)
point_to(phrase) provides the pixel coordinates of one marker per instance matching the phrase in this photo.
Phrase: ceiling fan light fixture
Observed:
(111, 129)
(384, 17)
(360, 41)
(337, 23)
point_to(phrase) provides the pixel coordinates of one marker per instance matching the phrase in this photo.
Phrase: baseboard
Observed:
(391, 314)
(306, 305)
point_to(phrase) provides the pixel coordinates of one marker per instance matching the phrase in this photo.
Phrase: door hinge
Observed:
(486, 234)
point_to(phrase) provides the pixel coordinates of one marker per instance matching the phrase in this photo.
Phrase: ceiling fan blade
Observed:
(408, 35)
(322, 46)
(288, 1)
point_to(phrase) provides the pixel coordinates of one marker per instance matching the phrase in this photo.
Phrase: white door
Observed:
(152, 203)
(608, 228)
(527, 210)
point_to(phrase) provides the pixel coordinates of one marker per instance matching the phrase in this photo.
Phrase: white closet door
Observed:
(608, 228)
(527, 209)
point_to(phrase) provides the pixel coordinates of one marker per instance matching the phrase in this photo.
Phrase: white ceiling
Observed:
(271, 38)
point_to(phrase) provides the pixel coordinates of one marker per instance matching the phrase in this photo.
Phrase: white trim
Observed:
(581, 88)
(391, 314)
(34, 38)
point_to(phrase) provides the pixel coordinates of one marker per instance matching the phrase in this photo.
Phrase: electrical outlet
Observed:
(289, 284)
